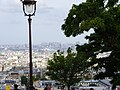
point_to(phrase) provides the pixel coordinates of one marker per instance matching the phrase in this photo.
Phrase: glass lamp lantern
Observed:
(29, 7)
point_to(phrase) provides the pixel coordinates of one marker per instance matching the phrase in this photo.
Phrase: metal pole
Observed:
(30, 53)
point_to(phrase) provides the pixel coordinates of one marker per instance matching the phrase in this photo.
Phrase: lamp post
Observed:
(29, 9)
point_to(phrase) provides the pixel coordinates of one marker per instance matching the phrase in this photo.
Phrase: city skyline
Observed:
(46, 24)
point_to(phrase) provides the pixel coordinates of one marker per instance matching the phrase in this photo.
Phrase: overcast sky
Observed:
(46, 24)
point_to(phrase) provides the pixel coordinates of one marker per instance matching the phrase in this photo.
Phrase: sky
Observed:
(46, 24)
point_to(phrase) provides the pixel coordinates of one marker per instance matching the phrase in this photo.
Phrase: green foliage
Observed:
(66, 67)
(103, 16)
(24, 80)
(36, 78)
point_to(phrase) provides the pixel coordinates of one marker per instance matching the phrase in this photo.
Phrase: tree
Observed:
(36, 78)
(103, 16)
(24, 80)
(66, 68)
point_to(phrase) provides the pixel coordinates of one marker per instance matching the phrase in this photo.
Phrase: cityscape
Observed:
(59, 44)
(14, 63)
(17, 55)
(14, 60)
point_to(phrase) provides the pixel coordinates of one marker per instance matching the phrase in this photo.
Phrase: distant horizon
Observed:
(42, 43)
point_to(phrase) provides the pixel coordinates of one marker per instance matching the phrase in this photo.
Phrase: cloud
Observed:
(10, 6)
(9, 2)
(44, 6)
(46, 24)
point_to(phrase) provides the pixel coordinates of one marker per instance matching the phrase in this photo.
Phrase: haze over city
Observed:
(46, 24)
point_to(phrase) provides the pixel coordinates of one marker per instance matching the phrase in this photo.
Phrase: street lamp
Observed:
(29, 9)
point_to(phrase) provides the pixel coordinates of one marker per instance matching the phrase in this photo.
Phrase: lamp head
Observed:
(29, 7)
